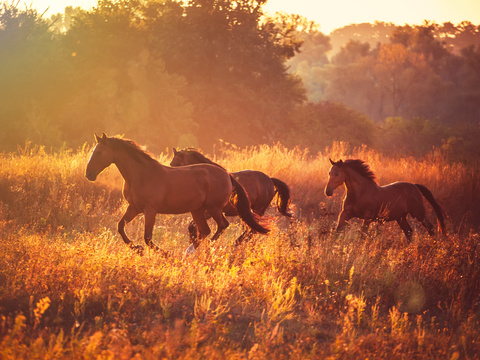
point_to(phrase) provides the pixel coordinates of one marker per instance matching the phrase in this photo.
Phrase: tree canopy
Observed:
(164, 72)
(190, 73)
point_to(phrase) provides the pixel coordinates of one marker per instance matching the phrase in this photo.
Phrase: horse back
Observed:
(401, 198)
(207, 177)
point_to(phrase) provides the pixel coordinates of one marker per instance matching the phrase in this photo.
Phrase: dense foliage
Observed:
(190, 73)
(166, 73)
(419, 80)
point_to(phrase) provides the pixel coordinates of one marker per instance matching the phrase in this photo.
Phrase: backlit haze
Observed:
(331, 15)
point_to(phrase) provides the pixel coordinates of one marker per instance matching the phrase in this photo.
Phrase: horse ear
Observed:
(331, 161)
(340, 162)
(175, 151)
(101, 139)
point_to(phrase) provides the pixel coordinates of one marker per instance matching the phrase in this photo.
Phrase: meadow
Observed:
(71, 289)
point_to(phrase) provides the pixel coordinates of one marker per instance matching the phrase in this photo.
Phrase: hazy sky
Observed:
(332, 14)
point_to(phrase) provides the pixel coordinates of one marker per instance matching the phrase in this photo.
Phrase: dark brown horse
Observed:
(370, 202)
(260, 188)
(151, 188)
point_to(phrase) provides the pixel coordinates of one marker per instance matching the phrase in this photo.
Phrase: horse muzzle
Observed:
(328, 192)
(91, 176)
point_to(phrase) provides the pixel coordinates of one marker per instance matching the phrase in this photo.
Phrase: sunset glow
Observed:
(331, 15)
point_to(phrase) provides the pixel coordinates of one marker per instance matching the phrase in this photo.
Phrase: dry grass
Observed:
(70, 288)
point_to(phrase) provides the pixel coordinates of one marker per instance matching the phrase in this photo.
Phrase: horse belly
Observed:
(180, 199)
(247, 179)
(195, 187)
(258, 186)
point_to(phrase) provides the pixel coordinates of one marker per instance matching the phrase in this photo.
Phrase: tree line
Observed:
(418, 84)
(169, 73)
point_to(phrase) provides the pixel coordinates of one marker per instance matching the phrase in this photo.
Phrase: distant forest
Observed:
(200, 72)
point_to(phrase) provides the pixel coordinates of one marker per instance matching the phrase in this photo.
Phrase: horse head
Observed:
(336, 177)
(102, 156)
(178, 158)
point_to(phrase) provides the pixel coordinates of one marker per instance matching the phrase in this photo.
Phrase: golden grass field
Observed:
(71, 289)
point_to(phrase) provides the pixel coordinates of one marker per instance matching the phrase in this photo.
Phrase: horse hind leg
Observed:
(192, 229)
(222, 223)
(428, 225)
(421, 217)
(407, 230)
(203, 230)
(246, 235)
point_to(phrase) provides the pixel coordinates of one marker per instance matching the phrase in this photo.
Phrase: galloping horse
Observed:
(370, 202)
(152, 188)
(260, 188)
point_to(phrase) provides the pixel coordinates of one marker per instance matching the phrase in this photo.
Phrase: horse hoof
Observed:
(137, 248)
(154, 247)
(190, 250)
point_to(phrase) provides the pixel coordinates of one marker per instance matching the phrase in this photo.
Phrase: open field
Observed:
(70, 288)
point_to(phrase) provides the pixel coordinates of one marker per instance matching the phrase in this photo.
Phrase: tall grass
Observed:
(70, 288)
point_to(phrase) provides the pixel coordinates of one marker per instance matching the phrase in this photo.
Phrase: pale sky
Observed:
(333, 14)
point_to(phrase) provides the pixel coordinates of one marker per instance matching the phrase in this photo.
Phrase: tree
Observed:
(234, 65)
(311, 59)
(351, 79)
(318, 125)
(28, 72)
(398, 71)
(118, 85)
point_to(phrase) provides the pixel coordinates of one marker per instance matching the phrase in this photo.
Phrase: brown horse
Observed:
(260, 188)
(370, 202)
(151, 188)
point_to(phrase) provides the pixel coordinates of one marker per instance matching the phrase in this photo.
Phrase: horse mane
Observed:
(199, 157)
(132, 148)
(361, 168)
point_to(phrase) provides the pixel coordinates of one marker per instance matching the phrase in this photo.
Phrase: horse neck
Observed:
(356, 183)
(131, 169)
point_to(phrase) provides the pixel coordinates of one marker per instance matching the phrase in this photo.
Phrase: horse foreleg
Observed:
(342, 220)
(149, 223)
(129, 215)
(407, 230)
(192, 231)
(365, 226)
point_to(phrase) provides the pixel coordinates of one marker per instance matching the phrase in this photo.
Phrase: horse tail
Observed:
(242, 205)
(438, 210)
(283, 199)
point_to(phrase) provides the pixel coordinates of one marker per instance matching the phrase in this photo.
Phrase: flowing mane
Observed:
(131, 147)
(199, 157)
(361, 168)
